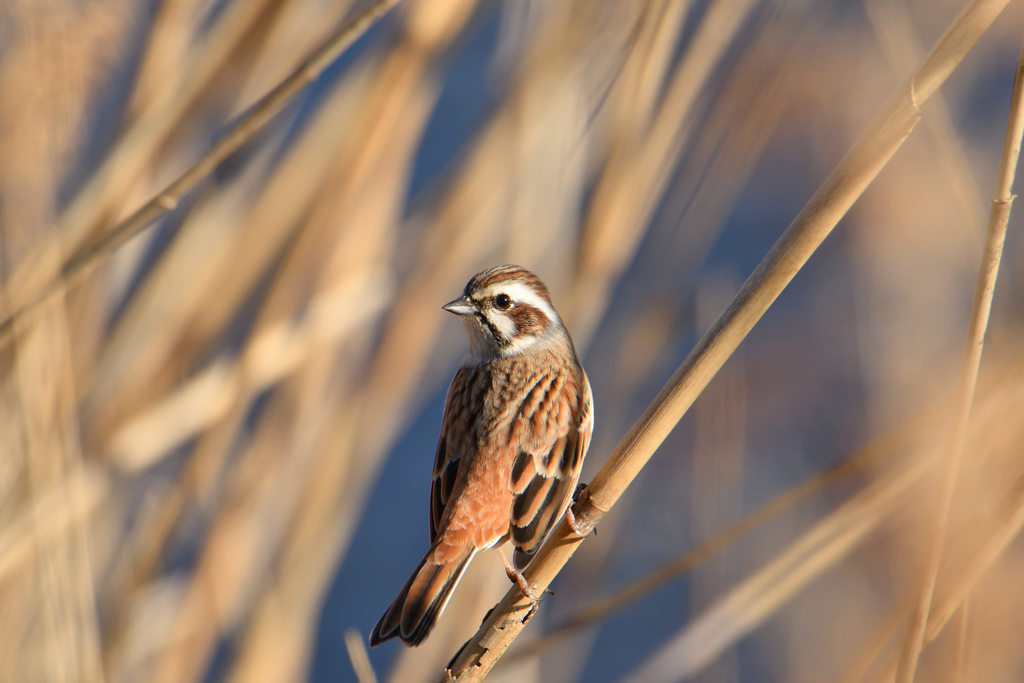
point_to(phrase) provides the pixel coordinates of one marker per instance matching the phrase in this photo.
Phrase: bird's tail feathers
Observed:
(414, 612)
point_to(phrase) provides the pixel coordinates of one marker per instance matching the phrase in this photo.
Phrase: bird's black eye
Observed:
(503, 302)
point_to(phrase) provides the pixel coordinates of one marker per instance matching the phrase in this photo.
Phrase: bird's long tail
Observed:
(414, 612)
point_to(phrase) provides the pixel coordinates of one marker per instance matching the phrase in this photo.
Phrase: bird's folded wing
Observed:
(556, 431)
(456, 440)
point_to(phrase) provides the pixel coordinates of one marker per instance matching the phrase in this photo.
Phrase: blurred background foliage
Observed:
(217, 442)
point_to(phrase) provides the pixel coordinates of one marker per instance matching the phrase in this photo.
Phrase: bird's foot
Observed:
(516, 577)
(570, 518)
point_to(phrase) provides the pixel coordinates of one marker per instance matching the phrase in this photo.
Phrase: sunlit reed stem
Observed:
(998, 217)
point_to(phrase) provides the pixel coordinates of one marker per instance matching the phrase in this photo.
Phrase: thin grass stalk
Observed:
(166, 50)
(732, 138)
(717, 461)
(738, 127)
(213, 403)
(248, 125)
(274, 353)
(334, 483)
(828, 205)
(973, 346)
(142, 355)
(990, 414)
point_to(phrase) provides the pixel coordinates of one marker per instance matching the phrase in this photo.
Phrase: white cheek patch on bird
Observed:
(502, 324)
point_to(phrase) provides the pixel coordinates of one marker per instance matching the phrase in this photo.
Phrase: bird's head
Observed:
(507, 311)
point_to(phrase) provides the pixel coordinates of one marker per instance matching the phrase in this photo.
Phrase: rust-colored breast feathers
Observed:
(510, 451)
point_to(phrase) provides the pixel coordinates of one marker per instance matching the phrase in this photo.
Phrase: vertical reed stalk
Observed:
(999, 216)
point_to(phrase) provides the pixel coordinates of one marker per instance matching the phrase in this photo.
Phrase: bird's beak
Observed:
(461, 306)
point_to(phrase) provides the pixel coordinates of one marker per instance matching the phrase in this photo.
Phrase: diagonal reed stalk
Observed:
(812, 225)
(999, 216)
(45, 282)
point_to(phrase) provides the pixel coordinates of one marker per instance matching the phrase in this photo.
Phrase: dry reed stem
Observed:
(335, 484)
(733, 137)
(872, 454)
(730, 142)
(520, 130)
(70, 639)
(142, 356)
(738, 128)
(973, 345)
(996, 405)
(296, 25)
(281, 209)
(165, 52)
(839, 191)
(1003, 533)
(52, 53)
(111, 185)
(233, 480)
(44, 282)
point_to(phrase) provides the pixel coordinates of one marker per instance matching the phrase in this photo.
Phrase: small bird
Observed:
(517, 425)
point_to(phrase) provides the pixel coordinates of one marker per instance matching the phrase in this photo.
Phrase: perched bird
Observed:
(517, 424)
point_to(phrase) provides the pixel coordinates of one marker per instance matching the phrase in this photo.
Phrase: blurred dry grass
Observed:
(192, 431)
